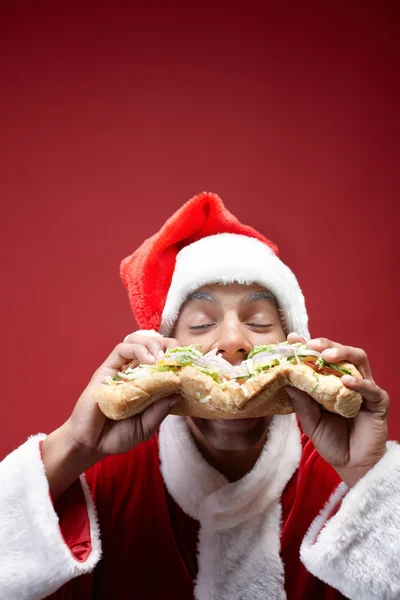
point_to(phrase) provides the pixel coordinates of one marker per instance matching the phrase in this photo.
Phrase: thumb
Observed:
(294, 338)
(306, 409)
(155, 414)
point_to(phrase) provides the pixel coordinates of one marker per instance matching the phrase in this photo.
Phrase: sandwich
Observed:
(210, 387)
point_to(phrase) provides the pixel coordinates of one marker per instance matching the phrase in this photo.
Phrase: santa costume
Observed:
(159, 522)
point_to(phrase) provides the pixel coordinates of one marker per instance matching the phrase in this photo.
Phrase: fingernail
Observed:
(348, 379)
(160, 354)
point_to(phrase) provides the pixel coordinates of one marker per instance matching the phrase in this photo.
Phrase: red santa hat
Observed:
(203, 243)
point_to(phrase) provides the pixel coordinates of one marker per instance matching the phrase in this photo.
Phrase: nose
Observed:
(233, 344)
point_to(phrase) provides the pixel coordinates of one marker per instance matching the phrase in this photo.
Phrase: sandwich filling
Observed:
(260, 360)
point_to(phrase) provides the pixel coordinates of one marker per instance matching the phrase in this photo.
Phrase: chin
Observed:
(235, 434)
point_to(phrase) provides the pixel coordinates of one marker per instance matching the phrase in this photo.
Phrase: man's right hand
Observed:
(88, 435)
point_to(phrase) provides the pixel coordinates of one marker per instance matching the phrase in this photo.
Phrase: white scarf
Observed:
(240, 522)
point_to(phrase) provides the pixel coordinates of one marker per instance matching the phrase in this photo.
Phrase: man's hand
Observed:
(87, 425)
(351, 446)
(88, 435)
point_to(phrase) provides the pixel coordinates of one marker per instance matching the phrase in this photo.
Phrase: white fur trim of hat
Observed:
(227, 258)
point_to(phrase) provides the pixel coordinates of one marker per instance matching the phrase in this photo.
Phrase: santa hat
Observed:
(203, 243)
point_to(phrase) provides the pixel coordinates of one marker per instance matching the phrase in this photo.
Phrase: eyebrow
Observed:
(249, 299)
(200, 296)
(264, 295)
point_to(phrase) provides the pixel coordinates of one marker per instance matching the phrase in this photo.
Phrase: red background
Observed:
(111, 118)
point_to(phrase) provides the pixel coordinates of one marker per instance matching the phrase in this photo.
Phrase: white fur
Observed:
(227, 258)
(239, 539)
(358, 549)
(34, 559)
(145, 332)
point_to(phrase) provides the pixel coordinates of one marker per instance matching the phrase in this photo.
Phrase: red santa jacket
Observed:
(149, 543)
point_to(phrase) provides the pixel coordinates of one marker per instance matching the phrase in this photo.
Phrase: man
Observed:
(213, 509)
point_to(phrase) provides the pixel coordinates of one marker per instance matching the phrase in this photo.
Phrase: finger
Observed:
(124, 353)
(119, 357)
(130, 339)
(295, 338)
(355, 356)
(375, 399)
(321, 344)
(140, 338)
(334, 352)
(143, 354)
(158, 346)
(128, 351)
(155, 414)
(306, 409)
(162, 345)
(155, 347)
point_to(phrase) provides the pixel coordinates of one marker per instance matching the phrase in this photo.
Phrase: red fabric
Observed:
(74, 522)
(73, 519)
(147, 273)
(144, 556)
(140, 551)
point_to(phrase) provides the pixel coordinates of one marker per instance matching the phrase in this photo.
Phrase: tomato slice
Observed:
(310, 361)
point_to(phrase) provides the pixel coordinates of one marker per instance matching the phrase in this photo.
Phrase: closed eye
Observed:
(259, 325)
(200, 327)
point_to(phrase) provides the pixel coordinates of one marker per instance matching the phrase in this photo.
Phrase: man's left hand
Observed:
(351, 446)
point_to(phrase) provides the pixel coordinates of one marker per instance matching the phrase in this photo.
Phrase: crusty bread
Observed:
(128, 399)
(201, 396)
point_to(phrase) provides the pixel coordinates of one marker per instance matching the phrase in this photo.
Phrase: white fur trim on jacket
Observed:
(239, 538)
(358, 550)
(227, 258)
(34, 559)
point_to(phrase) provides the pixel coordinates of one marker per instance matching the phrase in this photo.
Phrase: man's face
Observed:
(232, 318)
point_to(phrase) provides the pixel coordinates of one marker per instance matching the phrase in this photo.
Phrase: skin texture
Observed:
(233, 323)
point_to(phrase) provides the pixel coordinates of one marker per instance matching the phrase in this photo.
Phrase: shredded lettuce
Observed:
(184, 355)
(258, 368)
(132, 374)
(271, 348)
(196, 350)
(266, 348)
(217, 378)
(189, 355)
